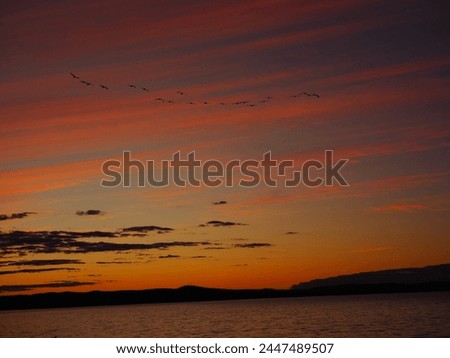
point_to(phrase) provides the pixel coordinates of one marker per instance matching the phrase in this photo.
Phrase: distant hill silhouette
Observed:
(404, 276)
(431, 278)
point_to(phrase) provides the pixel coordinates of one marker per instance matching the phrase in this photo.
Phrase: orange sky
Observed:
(382, 73)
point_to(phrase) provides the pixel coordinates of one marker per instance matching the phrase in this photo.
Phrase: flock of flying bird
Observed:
(180, 94)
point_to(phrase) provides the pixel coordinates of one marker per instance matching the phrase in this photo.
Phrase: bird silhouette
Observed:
(247, 103)
(241, 102)
(310, 94)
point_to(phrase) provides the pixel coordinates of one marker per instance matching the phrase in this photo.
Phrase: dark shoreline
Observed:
(200, 294)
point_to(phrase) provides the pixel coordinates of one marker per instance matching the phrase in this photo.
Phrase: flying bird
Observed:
(221, 202)
(248, 103)
(310, 94)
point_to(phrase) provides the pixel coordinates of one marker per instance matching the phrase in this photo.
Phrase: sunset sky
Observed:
(381, 69)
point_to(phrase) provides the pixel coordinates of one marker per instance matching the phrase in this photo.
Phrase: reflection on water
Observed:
(394, 315)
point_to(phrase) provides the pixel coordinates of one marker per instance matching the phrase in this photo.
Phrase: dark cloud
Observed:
(45, 262)
(16, 215)
(218, 223)
(221, 202)
(57, 284)
(240, 265)
(292, 233)
(19, 242)
(253, 245)
(6, 263)
(90, 212)
(133, 235)
(68, 242)
(200, 257)
(10, 272)
(216, 246)
(169, 257)
(140, 229)
(85, 247)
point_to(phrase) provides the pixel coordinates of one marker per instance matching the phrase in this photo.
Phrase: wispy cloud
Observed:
(19, 242)
(90, 212)
(45, 262)
(253, 245)
(218, 223)
(399, 208)
(16, 215)
(10, 272)
(169, 256)
(56, 284)
(374, 249)
(145, 229)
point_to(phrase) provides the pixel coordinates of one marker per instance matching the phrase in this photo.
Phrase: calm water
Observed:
(394, 315)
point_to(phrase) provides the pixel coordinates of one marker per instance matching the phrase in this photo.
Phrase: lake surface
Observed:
(393, 315)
